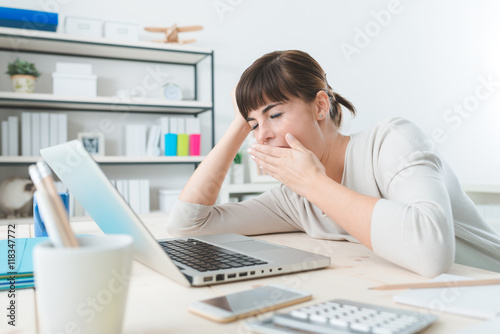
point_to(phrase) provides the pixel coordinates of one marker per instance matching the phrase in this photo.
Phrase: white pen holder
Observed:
(83, 289)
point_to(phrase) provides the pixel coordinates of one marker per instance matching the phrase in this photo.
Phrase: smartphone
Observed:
(247, 303)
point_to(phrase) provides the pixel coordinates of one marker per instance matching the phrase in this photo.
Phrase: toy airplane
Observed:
(172, 33)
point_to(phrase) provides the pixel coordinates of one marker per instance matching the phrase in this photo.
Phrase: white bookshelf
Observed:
(64, 44)
(39, 101)
(198, 61)
(19, 160)
(482, 188)
(244, 189)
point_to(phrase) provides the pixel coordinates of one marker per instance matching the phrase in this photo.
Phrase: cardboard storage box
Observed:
(121, 31)
(74, 68)
(167, 198)
(74, 85)
(83, 26)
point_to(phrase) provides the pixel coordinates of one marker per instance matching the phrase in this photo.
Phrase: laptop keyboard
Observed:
(206, 257)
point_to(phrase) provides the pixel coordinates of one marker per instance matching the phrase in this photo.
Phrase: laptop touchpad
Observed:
(250, 246)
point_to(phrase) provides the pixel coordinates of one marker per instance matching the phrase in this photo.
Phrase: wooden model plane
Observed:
(172, 33)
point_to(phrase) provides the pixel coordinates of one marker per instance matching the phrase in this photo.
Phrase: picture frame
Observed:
(92, 142)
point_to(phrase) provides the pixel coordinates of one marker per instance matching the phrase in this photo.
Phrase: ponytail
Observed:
(336, 100)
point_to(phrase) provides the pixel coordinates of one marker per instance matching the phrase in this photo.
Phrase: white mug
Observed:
(83, 289)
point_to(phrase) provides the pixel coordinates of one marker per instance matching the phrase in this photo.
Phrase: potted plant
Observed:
(23, 75)
(237, 169)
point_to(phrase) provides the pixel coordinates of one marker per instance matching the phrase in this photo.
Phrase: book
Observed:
(35, 134)
(63, 128)
(164, 129)
(472, 301)
(44, 130)
(28, 19)
(135, 140)
(119, 186)
(134, 195)
(152, 149)
(126, 191)
(26, 134)
(53, 129)
(5, 138)
(145, 202)
(13, 135)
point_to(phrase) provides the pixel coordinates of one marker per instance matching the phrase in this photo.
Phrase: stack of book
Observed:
(135, 193)
(38, 130)
(10, 136)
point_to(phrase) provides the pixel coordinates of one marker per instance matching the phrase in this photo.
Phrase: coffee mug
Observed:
(83, 289)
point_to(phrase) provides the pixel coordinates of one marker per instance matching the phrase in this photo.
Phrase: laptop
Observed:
(231, 257)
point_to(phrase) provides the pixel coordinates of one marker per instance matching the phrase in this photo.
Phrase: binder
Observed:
(28, 19)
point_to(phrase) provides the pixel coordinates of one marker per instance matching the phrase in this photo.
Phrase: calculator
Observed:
(340, 316)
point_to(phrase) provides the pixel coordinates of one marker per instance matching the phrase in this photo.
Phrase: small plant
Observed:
(22, 67)
(237, 158)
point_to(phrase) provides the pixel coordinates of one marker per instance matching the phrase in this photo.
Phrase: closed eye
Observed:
(272, 117)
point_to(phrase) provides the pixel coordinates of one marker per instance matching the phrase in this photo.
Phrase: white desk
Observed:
(158, 305)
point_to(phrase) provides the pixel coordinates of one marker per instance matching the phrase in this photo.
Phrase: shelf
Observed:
(482, 188)
(63, 44)
(101, 103)
(110, 160)
(245, 188)
(250, 187)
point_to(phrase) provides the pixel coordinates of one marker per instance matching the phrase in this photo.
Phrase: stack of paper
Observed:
(472, 301)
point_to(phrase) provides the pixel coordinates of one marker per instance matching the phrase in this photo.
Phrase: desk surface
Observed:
(158, 305)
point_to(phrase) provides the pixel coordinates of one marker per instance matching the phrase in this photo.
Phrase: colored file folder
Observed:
(28, 19)
(19, 273)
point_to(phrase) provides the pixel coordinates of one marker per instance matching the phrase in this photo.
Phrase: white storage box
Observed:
(167, 198)
(74, 85)
(83, 26)
(74, 68)
(121, 31)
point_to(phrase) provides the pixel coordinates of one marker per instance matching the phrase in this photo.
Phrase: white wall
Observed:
(424, 61)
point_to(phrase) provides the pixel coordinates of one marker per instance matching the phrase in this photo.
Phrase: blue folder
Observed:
(28, 19)
(22, 268)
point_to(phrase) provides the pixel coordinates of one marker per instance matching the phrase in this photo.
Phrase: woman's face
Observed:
(271, 122)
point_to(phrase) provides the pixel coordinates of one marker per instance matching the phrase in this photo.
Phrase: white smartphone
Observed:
(247, 303)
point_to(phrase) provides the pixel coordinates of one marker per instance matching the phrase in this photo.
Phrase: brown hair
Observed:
(281, 75)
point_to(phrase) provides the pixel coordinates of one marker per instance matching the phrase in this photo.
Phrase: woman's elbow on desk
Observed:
(434, 264)
(418, 238)
(429, 257)
(180, 223)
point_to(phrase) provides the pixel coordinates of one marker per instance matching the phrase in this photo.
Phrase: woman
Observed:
(386, 187)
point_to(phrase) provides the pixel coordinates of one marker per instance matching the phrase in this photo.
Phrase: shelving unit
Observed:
(244, 189)
(481, 188)
(113, 160)
(40, 42)
(100, 103)
(53, 44)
